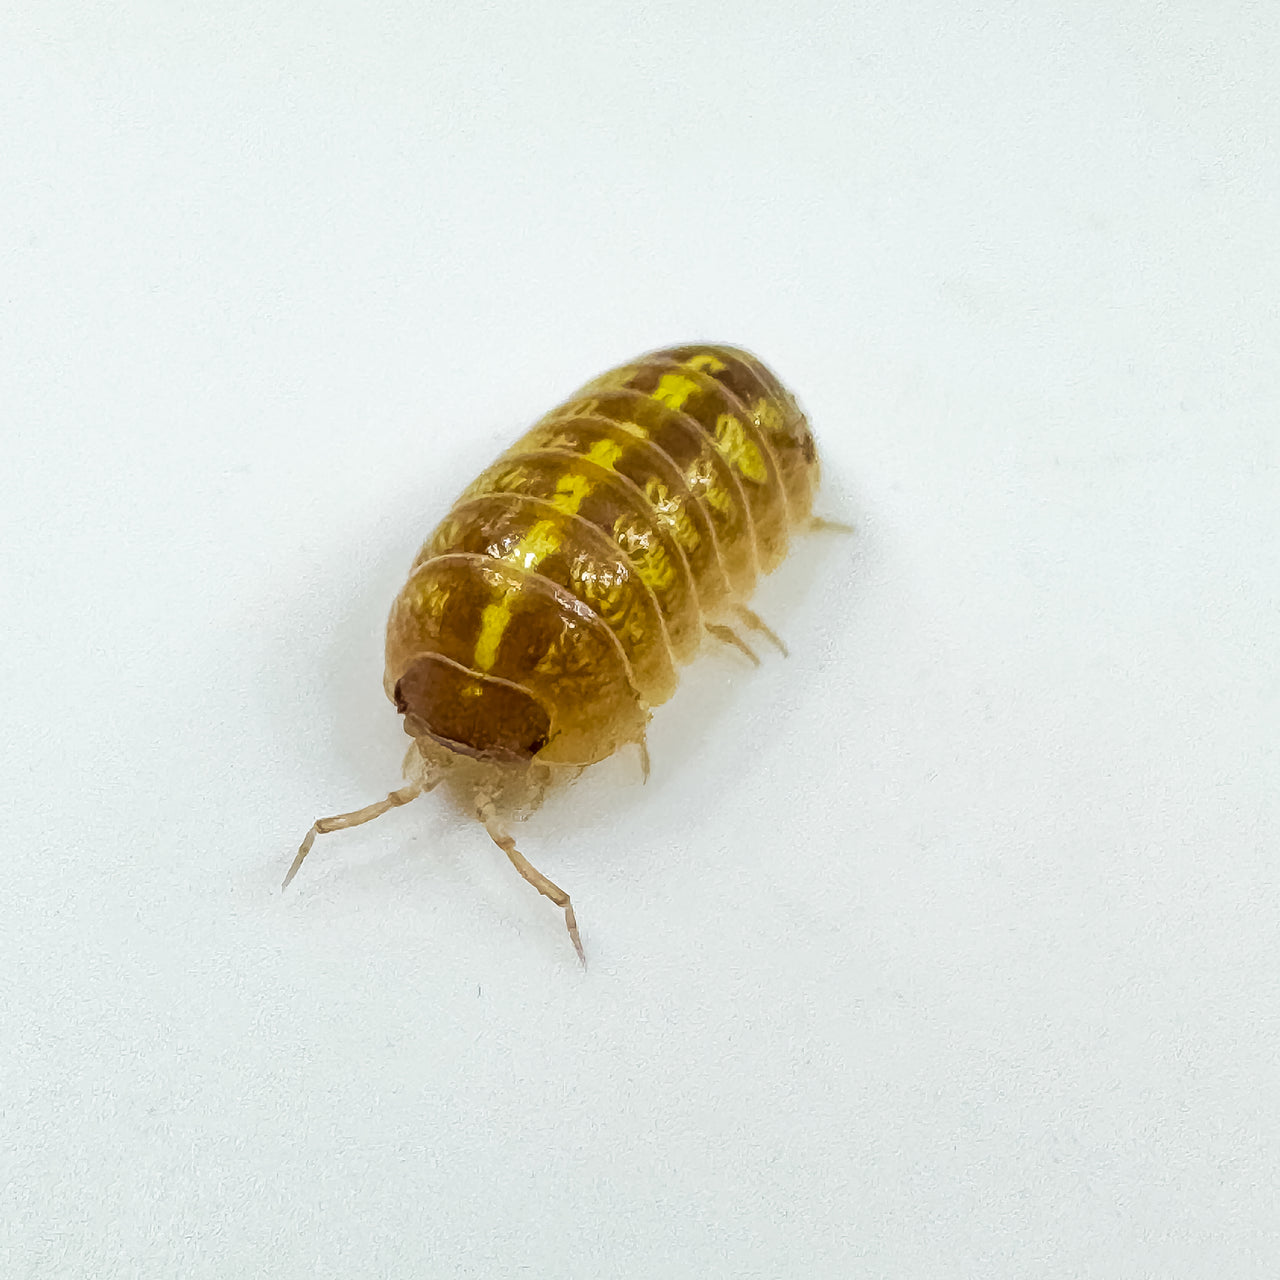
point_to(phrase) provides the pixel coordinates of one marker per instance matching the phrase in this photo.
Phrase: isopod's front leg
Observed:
(354, 819)
(485, 812)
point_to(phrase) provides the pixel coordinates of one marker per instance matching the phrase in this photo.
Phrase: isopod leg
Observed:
(644, 759)
(531, 873)
(817, 524)
(730, 636)
(753, 620)
(354, 819)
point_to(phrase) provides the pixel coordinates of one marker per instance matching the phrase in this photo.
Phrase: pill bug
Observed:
(547, 613)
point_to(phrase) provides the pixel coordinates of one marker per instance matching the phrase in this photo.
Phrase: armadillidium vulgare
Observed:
(547, 613)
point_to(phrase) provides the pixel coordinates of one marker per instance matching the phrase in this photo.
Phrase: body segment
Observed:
(684, 386)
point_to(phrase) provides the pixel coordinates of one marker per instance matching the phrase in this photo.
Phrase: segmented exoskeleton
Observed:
(547, 613)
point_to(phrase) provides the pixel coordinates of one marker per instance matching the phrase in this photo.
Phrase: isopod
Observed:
(547, 613)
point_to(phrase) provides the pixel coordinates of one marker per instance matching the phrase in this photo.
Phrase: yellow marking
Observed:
(705, 363)
(647, 554)
(610, 591)
(732, 438)
(673, 513)
(631, 628)
(655, 568)
(703, 482)
(544, 537)
(493, 622)
(541, 541)
(631, 428)
(674, 389)
(571, 489)
(719, 498)
(604, 453)
(590, 408)
(767, 415)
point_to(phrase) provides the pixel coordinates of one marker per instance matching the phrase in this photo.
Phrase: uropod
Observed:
(548, 612)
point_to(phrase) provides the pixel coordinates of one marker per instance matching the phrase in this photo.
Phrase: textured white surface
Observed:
(946, 948)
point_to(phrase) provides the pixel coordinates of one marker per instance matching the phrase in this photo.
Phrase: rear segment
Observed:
(708, 477)
(637, 460)
(772, 409)
(724, 420)
(641, 542)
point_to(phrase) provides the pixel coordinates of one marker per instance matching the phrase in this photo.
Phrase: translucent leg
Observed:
(354, 819)
(730, 636)
(532, 874)
(753, 620)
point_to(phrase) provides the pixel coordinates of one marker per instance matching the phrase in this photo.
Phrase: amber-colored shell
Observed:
(550, 608)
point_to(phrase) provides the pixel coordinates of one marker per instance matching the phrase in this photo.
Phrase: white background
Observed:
(947, 947)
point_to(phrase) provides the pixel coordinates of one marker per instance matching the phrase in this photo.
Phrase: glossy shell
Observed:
(552, 606)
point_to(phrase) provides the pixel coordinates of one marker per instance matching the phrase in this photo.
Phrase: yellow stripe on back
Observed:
(741, 451)
(493, 623)
(673, 513)
(673, 390)
(545, 537)
(571, 489)
(705, 363)
(768, 415)
(542, 540)
(604, 453)
(646, 553)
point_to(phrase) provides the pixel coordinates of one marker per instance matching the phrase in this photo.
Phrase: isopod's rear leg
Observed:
(753, 620)
(730, 636)
(531, 873)
(819, 524)
(354, 819)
